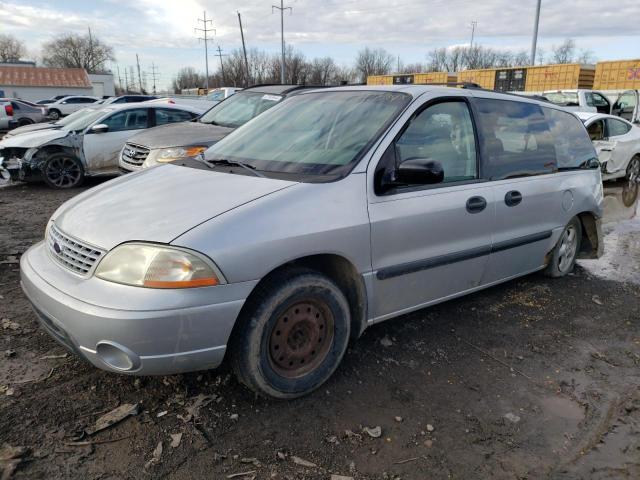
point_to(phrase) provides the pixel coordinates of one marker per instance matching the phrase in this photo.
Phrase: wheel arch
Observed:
(338, 269)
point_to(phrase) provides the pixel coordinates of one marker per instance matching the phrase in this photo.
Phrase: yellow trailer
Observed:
(558, 77)
(617, 75)
(486, 78)
(412, 78)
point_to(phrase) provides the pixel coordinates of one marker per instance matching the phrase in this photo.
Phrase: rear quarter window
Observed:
(515, 139)
(571, 140)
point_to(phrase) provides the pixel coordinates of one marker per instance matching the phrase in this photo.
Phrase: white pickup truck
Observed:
(625, 104)
(7, 121)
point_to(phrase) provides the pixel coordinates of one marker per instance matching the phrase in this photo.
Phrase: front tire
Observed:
(292, 334)
(54, 114)
(565, 253)
(62, 171)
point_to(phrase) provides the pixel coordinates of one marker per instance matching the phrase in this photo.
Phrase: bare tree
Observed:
(373, 62)
(563, 53)
(322, 71)
(187, 77)
(77, 51)
(11, 49)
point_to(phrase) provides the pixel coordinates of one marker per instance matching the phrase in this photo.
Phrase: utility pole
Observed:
(90, 50)
(119, 77)
(154, 74)
(139, 76)
(126, 82)
(534, 41)
(474, 24)
(205, 30)
(244, 51)
(224, 81)
(282, 8)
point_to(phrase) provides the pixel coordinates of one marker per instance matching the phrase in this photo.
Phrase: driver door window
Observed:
(444, 133)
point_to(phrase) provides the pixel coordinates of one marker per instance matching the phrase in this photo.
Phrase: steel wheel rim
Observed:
(63, 172)
(301, 338)
(568, 248)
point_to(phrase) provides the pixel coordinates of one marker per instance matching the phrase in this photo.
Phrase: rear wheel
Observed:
(54, 114)
(633, 170)
(25, 121)
(565, 253)
(293, 334)
(61, 170)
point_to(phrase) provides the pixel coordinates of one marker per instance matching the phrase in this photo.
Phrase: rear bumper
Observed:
(140, 342)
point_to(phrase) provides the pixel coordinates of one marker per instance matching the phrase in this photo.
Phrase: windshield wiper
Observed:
(231, 163)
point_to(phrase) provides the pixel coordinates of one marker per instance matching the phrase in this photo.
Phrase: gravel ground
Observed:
(536, 378)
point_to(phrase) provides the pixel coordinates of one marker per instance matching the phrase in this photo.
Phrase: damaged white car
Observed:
(88, 146)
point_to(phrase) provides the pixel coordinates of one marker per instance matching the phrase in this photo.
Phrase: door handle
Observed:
(606, 149)
(476, 204)
(513, 198)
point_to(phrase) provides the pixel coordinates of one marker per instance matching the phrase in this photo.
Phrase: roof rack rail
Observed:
(458, 84)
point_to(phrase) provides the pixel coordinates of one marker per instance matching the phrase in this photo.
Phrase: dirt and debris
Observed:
(539, 349)
(114, 416)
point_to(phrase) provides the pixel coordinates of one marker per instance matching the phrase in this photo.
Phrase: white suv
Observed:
(68, 105)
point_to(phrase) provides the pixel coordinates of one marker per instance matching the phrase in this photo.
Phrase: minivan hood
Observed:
(33, 139)
(157, 204)
(182, 134)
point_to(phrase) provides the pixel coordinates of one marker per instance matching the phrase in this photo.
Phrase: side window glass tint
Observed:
(572, 143)
(588, 97)
(444, 133)
(599, 100)
(596, 131)
(515, 139)
(127, 120)
(165, 115)
(617, 128)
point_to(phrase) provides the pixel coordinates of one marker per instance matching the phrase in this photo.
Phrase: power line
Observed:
(154, 75)
(205, 31)
(220, 55)
(282, 8)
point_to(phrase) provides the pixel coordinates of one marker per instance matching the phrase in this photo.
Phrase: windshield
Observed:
(566, 99)
(82, 122)
(321, 133)
(239, 109)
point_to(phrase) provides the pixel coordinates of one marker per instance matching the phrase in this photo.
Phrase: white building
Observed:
(40, 83)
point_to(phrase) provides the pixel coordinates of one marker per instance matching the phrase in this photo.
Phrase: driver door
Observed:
(430, 242)
(101, 149)
(627, 106)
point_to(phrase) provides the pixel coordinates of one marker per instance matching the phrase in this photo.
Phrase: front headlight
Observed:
(156, 266)
(166, 155)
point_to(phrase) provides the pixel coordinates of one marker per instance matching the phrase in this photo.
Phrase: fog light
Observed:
(117, 356)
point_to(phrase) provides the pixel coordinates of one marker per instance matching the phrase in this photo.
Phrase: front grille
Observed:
(70, 253)
(134, 155)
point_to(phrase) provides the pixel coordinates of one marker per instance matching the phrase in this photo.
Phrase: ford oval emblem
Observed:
(57, 248)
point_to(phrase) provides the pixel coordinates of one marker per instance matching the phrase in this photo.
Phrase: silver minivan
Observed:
(336, 209)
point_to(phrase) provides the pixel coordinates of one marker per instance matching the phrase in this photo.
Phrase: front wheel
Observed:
(61, 170)
(293, 333)
(565, 253)
(54, 114)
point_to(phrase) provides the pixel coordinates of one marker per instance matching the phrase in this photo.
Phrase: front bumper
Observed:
(129, 329)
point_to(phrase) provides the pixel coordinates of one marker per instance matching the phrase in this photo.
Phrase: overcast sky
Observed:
(162, 31)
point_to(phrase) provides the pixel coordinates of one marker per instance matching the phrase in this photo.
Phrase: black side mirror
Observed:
(420, 171)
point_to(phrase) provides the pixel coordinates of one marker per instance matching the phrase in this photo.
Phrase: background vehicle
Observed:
(172, 142)
(6, 116)
(335, 210)
(26, 113)
(88, 146)
(47, 125)
(626, 104)
(127, 99)
(219, 94)
(617, 142)
(68, 104)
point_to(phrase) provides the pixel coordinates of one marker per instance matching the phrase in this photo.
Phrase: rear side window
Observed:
(615, 128)
(135, 119)
(515, 139)
(166, 115)
(572, 143)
